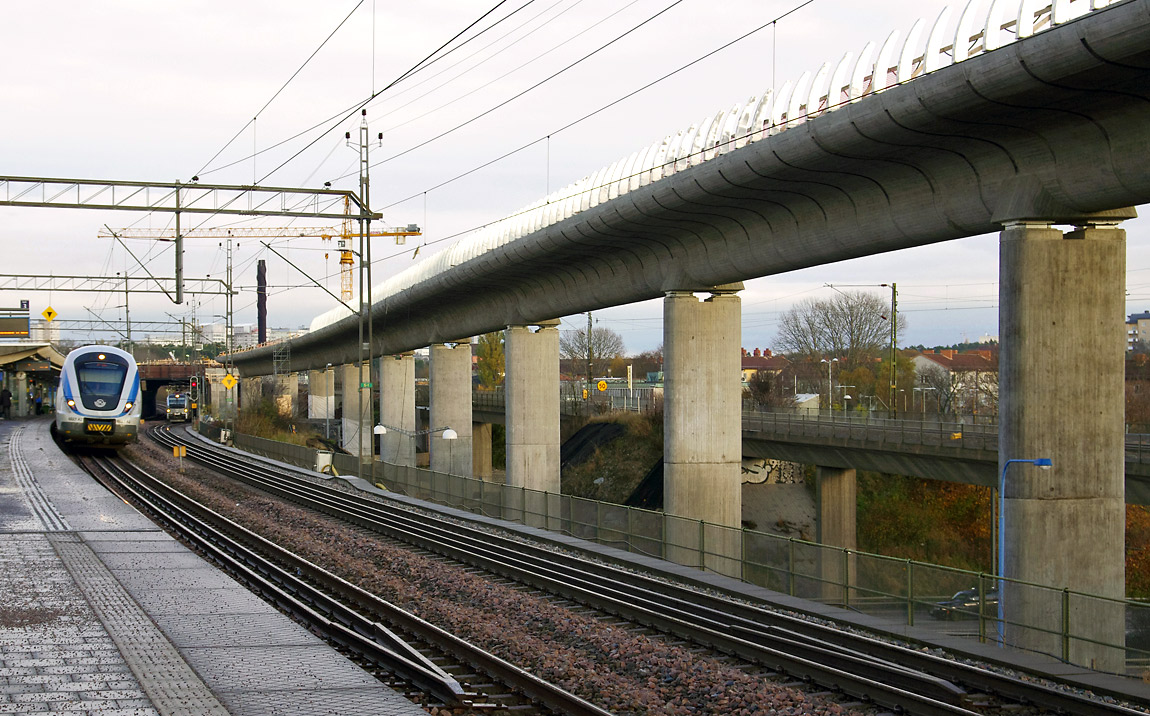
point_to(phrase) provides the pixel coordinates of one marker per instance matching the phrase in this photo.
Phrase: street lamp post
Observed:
(1041, 462)
(830, 383)
(846, 396)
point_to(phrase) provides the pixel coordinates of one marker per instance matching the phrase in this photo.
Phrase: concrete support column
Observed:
(1061, 396)
(21, 406)
(481, 451)
(532, 389)
(397, 409)
(215, 395)
(356, 400)
(836, 502)
(321, 394)
(251, 392)
(286, 394)
(702, 433)
(450, 387)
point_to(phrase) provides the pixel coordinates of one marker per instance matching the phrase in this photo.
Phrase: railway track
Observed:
(877, 671)
(341, 612)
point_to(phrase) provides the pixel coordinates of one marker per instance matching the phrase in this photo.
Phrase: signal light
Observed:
(195, 383)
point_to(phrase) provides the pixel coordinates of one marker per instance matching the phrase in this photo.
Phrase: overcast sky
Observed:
(125, 90)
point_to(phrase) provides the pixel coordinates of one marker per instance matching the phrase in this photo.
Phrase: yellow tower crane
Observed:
(325, 233)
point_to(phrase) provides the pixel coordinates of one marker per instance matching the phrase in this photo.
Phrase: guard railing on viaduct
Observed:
(951, 448)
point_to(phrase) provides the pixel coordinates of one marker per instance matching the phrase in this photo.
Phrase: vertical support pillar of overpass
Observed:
(836, 502)
(21, 406)
(397, 409)
(702, 433)
(481, 451)
(355, 401)
(214, 393)
(251, 391)
(321, 394)
(532, 389)
(286, 394)
(1061, 396)
(450, 406)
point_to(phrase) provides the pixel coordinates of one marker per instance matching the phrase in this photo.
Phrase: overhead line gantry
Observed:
(179, 198)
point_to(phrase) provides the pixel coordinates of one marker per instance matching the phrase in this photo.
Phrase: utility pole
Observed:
(589, 378)
(230, 400)
(127, 318)
(892, 392)
(364, 294)
(179, 252)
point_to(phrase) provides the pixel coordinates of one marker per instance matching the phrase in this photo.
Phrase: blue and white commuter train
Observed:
(98, 401)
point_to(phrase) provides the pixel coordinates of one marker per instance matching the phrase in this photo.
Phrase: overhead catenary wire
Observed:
(281, 89)
(506, 74)
(347, 114)
(420, 83)
(593, 113)
(528, 90)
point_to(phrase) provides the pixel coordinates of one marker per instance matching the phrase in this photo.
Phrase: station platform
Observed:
(101, 612)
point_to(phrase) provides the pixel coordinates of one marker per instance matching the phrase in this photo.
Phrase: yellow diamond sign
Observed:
(48, 314)
(229, 381)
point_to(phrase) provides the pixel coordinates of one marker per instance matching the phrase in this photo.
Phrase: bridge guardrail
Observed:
(872, 583)
(968, 432)
(963, 433)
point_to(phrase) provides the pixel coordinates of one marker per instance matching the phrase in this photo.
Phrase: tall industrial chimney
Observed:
(262, 300)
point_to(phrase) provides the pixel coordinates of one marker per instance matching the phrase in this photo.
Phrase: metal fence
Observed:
(968, 432)
(616, 397)
(1066, 626)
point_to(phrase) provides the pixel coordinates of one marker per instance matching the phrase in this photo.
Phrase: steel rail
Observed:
(850, 673)
(527, 684)
(225, 542)
(739, 622)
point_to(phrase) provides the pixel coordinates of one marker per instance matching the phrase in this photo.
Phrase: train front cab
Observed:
(97, 399)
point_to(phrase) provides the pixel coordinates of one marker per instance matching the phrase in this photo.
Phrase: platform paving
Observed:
(101, 612)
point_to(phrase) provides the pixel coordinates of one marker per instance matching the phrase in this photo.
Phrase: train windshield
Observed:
(101, 382)
(177, 401)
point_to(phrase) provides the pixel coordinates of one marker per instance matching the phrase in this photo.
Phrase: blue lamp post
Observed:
(1045, 464)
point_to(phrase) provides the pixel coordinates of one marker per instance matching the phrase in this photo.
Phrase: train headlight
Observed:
(71, 403)
(128, 405)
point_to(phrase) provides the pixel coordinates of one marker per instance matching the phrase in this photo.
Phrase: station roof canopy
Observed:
(30, 356)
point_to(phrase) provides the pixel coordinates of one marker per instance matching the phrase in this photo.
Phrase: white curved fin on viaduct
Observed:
(944, 133)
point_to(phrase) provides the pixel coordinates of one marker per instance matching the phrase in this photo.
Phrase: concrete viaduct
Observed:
(1036, 118)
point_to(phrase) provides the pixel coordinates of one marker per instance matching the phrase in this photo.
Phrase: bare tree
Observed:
(850, 326)
(941, 383)
(606, 345)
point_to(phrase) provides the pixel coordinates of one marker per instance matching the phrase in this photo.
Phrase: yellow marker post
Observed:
(180, 451)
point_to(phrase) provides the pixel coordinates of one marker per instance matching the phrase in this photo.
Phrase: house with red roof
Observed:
(761, 359)
(964, 383)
